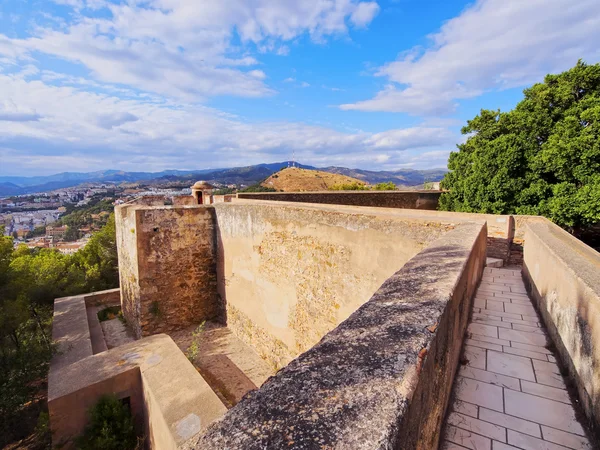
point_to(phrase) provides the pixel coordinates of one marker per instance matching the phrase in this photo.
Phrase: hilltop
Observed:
(297, 179)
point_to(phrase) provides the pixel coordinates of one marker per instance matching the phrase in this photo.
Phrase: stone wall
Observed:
(382, 199)
(290, 273)
(381, 379)
(501, 228)
(167, 267)
(170, 402)
(563, 275)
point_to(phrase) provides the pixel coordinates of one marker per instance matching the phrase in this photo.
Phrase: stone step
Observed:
(494, 262)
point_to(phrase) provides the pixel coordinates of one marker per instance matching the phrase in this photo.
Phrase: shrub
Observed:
(388, 186)
(109, 313)
(110, 427)
(348, 187)
(194, 348)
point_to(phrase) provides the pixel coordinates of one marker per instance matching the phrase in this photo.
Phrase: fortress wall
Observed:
(563, 275)
(290, 273)
(383, 377)
(501, 228)
(383, 199)
(125, 227)
(167, 267)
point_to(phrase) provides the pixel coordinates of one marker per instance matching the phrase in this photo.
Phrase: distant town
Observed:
(66, 218)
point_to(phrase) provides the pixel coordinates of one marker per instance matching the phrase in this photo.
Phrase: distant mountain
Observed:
(236, 175)
(7, 188)
(402, 177)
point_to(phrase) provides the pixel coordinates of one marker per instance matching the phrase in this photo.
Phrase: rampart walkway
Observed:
(509, 393)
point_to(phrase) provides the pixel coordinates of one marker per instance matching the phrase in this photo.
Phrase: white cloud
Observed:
(259, 74)
(304, 84)
(135, 134)
(364, 13)
(494, 44)
(184, 48)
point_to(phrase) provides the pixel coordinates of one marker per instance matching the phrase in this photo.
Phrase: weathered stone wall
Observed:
(184, 200)
(381, 379)
(170, 401)
(382, 199)
(501, 228)
(290, 273)
(108, 297)
(126, 226)
(563, 275)
(167, 267)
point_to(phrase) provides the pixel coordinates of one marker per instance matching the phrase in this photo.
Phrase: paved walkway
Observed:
(509, 393)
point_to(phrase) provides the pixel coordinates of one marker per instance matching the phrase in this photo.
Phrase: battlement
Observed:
(358, 313)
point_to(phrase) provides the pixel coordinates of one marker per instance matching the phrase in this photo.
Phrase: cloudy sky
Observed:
(190, 84)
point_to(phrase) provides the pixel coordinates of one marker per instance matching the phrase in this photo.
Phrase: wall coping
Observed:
(333, 192)
(580, 259)
(354, 388)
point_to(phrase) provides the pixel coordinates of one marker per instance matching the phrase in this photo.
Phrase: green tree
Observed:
(72, 234)
(388, 186)
(542, 158)
(110, 427)
(30, 280)
(98, 260)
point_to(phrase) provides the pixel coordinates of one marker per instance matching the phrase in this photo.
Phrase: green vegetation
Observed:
(37, 232)
(155, 309)
(348, 187)
(94, 214)
(389, 186)
(112, 312)
(194, 348)
(258, 188)
(224, 191)
(110, 427)
(30, 280)
(542, 158)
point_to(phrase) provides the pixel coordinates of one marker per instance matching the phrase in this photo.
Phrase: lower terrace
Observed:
(325, 326)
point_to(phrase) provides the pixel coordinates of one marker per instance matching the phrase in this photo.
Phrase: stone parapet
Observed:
(382, 199)
(289, 273)
(563, 276)
(382, 378)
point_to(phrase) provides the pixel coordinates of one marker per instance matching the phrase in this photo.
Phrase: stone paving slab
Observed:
(509, 394)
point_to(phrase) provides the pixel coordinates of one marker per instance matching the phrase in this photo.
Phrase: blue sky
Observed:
(187, 84)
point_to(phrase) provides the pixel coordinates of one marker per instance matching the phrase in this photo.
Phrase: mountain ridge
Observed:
(15, 185)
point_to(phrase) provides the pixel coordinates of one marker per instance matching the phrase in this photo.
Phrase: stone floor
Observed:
(227, 364)
(509, 393)
(116, 333)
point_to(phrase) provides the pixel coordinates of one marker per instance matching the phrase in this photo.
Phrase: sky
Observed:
(149, 85)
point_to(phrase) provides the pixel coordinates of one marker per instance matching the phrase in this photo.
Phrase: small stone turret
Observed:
(201, 191)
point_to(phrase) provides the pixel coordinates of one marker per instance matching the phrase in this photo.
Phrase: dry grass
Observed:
(297, 180)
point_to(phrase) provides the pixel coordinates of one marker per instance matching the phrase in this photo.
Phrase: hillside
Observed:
(293, 179)
(401, 178)
(247, 175)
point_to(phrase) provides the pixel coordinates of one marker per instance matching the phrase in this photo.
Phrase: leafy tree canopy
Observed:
(30, 279)
(541, 158)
